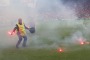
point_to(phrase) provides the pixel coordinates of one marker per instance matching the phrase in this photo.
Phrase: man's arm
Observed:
(26, 27)
(15, 28)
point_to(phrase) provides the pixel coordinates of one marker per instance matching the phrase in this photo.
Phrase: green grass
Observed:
(41, 54)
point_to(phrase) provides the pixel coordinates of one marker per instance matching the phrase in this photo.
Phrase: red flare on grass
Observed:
(60, 50)
(82, 43)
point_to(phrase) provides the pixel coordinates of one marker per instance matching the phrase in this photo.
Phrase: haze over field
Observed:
(56, 23)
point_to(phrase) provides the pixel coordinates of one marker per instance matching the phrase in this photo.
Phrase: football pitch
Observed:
(42, 54)
(48, 39)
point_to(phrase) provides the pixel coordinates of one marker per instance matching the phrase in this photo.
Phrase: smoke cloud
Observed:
(56, 24)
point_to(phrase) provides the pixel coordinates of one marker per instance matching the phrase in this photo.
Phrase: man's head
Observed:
(20, 21)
